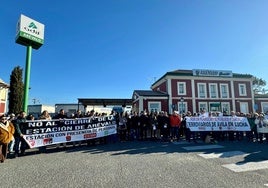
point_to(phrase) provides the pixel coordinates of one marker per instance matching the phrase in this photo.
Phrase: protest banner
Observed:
(39, 133)
(217, 123)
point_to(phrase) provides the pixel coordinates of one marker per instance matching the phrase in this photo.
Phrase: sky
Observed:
(109, 48)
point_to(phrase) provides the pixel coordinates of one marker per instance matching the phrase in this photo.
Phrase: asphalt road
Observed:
(142, 164)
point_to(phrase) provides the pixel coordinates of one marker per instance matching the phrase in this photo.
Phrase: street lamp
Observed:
(182, 108)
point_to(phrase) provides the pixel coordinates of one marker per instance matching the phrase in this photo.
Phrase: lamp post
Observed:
(182, 108)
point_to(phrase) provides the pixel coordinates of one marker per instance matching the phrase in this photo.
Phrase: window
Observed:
(154, 106)
(181, 88)
(264, 107)
(213, 92)
(214, 106)
(224, 91)
(202, 106)
(244, 107)
(202, 90)
(242, 89)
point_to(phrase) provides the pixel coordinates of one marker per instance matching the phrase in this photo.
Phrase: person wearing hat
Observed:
(6, 135)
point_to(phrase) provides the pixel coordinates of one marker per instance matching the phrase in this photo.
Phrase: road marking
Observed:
(223, 154)
(250, 166)
(192, 148)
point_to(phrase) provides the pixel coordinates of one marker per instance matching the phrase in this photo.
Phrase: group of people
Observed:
(12, 142)
(11, 136)
(172, 127)
(153, 126)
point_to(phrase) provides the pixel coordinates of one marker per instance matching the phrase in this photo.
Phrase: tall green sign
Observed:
(30, 33)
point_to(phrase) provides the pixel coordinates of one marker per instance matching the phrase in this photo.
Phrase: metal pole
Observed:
(27, 78)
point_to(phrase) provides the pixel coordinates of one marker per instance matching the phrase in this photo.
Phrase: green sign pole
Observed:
(27, 78)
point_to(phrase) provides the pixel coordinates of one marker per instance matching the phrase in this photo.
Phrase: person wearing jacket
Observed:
(261, 122)
(6, 135)
(175, 123)
(20, 143)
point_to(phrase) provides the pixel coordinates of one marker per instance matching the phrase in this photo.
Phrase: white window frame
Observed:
(202, 104)
(240, 90)
(244, 107)
(154, 102)
(184, 88)
(227, 91)
(210, 90)
(205, 90)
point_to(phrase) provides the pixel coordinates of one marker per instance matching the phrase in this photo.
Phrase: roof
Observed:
(150, 93)
(182, 72)
(260, 96)
(99, 101)
(3, 84)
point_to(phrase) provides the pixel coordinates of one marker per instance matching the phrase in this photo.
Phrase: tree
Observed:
(16, 90)
(258, 85)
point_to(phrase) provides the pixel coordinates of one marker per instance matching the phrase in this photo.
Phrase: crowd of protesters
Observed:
(154, 126)
(161, 126)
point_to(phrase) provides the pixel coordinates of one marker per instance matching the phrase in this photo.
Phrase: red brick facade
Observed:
(193, 90)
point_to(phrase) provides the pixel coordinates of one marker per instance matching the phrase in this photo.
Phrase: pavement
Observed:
(141, 164)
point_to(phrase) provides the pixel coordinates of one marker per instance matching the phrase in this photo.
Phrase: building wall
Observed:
(261, 104)
(174, 86)
(162, 87)
(192, 101)
(37, 109)
(68, 108)
(3, 100)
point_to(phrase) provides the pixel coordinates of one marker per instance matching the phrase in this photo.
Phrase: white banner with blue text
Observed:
(224, 123)
(39, 133)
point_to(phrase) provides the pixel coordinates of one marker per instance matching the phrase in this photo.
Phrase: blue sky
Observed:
(109, 48)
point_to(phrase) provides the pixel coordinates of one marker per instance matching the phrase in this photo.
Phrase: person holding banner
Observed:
(78, 114)
(188, 133)
(251, 120)
(61, 115)
(231, 133)
(204, 114)
(20, 143)
(44, 116)
(262, 126)
(6, 135)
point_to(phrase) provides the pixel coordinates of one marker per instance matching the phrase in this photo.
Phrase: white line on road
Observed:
(223, 154)
(250, 166)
